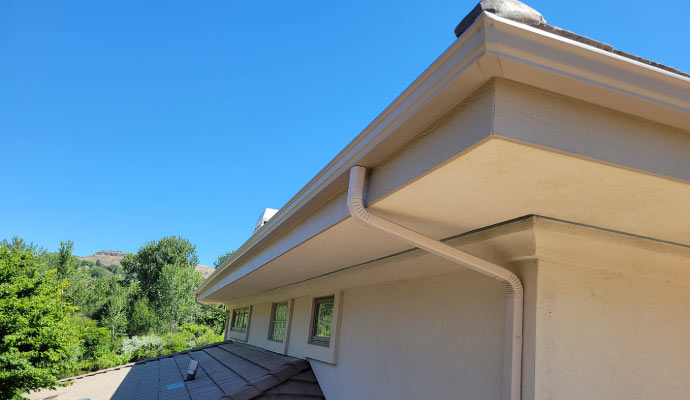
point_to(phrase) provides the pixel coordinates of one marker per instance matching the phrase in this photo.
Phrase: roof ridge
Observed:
(273, 378)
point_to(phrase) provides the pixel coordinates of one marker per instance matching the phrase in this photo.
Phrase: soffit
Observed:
(496, 181)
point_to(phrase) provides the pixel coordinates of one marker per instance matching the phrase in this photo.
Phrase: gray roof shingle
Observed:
(226, 370)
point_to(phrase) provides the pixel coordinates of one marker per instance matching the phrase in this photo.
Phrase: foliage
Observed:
(174, 294)
(18, 244)
(60, 316)
(36, 338)
(153, 345)
(114, 312)
(221, 259)
(95, 348)
(140, 347)
(66, 262)
(143, 319)
(147, 263)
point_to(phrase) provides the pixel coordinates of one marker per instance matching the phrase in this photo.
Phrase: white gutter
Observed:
(512, 371)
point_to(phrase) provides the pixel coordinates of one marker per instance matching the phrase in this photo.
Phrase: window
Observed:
(240, 317)
(321, 321)
(276, 328)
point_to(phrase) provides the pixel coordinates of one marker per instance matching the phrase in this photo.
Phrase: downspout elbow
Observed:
(355, 194)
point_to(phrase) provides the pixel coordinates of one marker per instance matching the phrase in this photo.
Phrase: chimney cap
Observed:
(511, 9)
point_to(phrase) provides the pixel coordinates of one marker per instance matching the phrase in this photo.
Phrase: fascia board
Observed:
(552, 62)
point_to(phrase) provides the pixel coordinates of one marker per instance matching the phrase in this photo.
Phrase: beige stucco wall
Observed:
(438, 337)
(612, 316)
(607, 316)
(411, 325)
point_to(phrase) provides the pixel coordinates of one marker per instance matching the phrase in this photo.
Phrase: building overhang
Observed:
(294, 244)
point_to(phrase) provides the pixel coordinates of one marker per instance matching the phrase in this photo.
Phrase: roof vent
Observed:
(510, 9)
(265, 216)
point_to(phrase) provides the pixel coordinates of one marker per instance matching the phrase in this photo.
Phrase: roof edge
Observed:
(492, 46)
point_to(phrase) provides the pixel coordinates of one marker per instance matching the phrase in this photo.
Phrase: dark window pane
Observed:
(281, 312)
(323, 318)
(277, 326)
(239, 319)
(278, 332)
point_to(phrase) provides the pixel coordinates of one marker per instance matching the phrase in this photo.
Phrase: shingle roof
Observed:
(227, 370)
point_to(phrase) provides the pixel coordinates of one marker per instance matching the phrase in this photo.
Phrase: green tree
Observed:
(67, 263)
(115, 315)
(143, 320)
(147, 263)
(36, 338)
(80, 292)
(18, 244)
(95, 349)
(221, 258)
(112, 310)
(174, 295)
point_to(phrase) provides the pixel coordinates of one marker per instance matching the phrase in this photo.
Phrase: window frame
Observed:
(235, 313)
(272, 321)
(313, 338)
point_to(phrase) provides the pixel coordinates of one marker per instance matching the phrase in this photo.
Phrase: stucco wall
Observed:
(612, 317)
(607, 316)
(438, 337)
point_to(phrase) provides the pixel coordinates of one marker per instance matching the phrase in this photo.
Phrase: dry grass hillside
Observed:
(114, 257)
(106, 257)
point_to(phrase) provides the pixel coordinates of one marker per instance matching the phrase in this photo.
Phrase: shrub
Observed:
(140, 347)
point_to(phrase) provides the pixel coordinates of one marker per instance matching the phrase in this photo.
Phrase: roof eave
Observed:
(492, 47)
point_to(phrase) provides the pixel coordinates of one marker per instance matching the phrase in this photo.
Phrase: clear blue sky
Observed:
(126, 121)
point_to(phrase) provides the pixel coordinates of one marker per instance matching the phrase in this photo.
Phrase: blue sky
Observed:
(126, 121)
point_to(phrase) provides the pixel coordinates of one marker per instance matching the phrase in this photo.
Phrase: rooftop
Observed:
(520, 12)
(227, 370)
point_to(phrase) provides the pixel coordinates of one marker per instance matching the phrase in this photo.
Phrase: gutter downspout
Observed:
(512, 359)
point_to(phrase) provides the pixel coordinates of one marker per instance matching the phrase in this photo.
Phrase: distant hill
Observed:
(205, 270)
(106, 257)
(114, 257)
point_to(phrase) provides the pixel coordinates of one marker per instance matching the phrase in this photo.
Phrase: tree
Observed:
(143, 320)
(18, 244)
(221, 258)
(95, 348)
(148, 262)
(114, 316)
(67, 264)
(80, 292)
(36, 339)
(175, 295)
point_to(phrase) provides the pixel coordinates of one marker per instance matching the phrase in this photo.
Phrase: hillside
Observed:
(114, 257)
(205, 270)
(106, 257)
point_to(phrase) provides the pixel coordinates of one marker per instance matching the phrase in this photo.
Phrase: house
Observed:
(515, 225)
